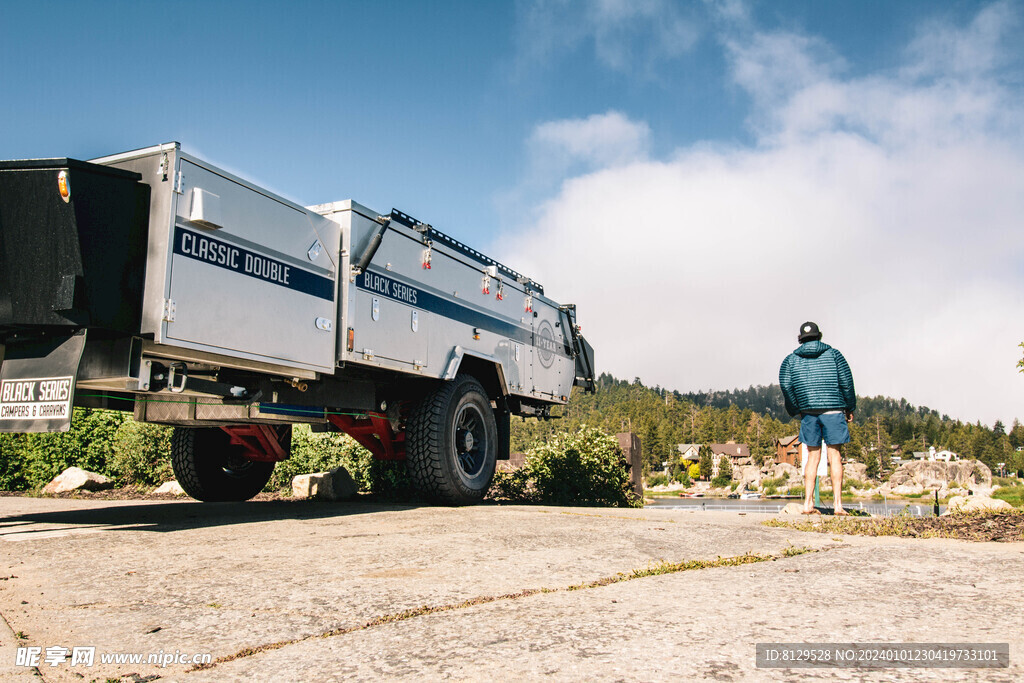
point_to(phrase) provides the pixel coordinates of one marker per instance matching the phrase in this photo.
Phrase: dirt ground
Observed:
(297, 590)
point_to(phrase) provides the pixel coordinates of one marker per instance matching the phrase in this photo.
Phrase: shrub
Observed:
(694, 472)
(657, 480)
(141, 454)
(31, 460)
(585, 467)
(721, 481)
(684, 479)
(321, 452)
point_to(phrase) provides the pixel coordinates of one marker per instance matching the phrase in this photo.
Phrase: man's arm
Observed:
(786, 382)
(846, 382)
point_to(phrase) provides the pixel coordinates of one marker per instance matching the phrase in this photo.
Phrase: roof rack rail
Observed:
(438, 236)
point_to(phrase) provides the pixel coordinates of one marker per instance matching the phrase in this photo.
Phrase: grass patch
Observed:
(1012, 495)
(997, 525)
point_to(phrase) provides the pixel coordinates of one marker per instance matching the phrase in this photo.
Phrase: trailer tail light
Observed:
(64, 185)
(351, 342)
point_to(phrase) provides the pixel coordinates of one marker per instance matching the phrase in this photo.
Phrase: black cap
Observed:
(809, 332)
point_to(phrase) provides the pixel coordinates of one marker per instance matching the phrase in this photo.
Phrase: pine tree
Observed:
(705, 462)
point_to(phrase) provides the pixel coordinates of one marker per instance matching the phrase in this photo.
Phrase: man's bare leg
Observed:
(835, 466)
(810, 474)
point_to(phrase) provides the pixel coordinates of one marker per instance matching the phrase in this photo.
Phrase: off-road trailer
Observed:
(156, 282)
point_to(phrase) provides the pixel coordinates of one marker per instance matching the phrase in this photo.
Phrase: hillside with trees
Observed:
(756, 416)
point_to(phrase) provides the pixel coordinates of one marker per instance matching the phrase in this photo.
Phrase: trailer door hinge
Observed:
(179, 183)
(169, 310)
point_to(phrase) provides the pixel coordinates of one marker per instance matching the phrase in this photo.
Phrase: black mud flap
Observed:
(37, 383)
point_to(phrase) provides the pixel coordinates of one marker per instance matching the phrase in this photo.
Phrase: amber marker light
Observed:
(351, 339)
(64, 186)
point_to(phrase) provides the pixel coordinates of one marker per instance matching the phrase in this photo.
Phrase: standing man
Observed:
(818, 385)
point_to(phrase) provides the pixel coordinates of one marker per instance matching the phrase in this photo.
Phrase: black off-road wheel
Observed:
(452, 443)
(210, 469)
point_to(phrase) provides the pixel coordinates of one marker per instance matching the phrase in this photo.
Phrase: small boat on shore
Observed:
(691, 495)
(750, 495)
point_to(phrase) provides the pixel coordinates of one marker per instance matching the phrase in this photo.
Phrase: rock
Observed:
(171, 487)
(792, 509)
(749, 476)
(907, 489)
(334, 485)
(937, 475)
(785, 469)
(855, 470)
(75, 478)
(974, 503)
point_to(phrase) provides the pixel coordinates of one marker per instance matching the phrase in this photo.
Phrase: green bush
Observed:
(657, 480)
(721, 481)
(29, 461)
(585, 467)
(321, 452)
(141, 454)
(684, 478)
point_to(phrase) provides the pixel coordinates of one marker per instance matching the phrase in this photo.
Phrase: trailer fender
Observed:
(487, 369)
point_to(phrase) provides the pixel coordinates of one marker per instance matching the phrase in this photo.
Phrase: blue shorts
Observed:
(831, 427)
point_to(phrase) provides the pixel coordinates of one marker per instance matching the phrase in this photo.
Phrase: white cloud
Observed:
(628, 36)
(600, 140)
(886, 208)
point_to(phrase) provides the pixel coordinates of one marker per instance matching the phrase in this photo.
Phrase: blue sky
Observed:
(711, 173)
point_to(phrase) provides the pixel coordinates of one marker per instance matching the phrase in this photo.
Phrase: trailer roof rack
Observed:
(438, 236)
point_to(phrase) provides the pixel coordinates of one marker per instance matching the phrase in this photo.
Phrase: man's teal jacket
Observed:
(816, 377)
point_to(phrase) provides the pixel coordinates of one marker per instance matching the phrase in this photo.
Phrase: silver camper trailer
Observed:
(155, 282)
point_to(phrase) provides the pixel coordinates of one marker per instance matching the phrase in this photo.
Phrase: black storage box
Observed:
(75, 263)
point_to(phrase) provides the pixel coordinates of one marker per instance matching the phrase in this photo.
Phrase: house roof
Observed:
(730, 449)
(789, 440)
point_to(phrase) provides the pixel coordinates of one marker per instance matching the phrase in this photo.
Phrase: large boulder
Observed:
(749, 476)
(784, 468)
(906, 489)
(334, 485)
(974, 503)
(968, 474)
(77, 479)
(792, 509)
(169, 488)
(855, 470)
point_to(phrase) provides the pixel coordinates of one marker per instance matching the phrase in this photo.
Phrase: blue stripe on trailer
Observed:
(215, 252)
(375, 282)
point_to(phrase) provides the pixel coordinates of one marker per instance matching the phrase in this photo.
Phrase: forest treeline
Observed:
(756, 416)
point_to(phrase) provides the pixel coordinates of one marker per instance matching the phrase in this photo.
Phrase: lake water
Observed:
(774, 505)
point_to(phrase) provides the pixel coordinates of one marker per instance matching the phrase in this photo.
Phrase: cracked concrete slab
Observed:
(147, 577)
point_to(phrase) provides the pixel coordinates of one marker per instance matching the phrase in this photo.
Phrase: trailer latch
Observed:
(174, 370)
